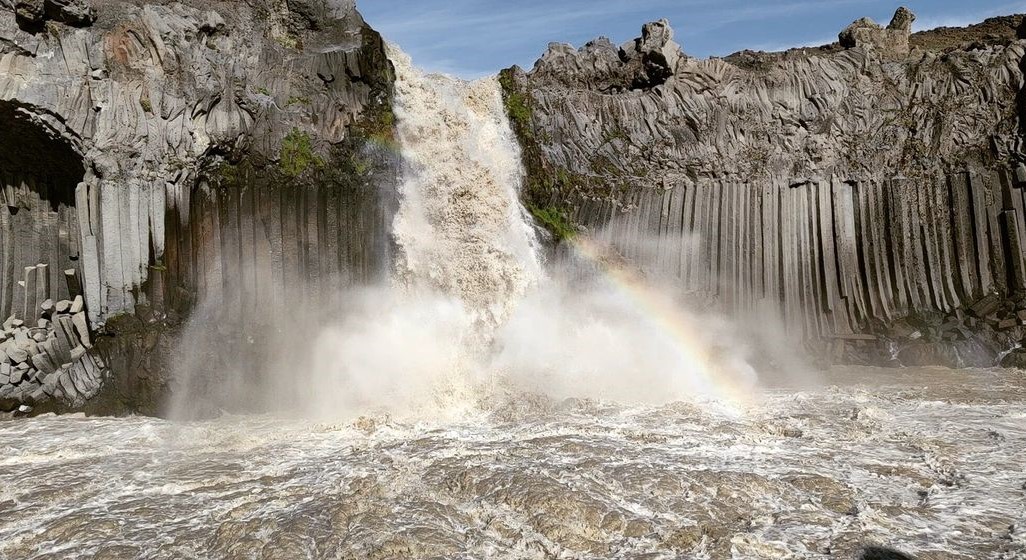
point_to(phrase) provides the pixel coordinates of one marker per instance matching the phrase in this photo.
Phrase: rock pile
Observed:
(976, 336)
(51, 359)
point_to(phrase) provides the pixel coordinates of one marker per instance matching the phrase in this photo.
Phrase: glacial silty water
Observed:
(446, 445)
(460, 228)
(929, 462)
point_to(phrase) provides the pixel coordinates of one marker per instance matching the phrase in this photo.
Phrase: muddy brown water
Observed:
(926, 461)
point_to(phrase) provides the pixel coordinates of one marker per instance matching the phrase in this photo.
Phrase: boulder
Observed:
(891, 42)
(81, 325)
(1015, 359)
(654, 57)
(929, 354)
(902, 20)
(32, 14)
(858, 33)
(77, 13)
(18, 355)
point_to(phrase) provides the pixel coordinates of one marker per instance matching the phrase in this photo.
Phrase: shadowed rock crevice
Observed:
(45, 339)
(37, 144)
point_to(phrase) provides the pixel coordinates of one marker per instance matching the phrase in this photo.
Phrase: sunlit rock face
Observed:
(867, 192)
(146, 148)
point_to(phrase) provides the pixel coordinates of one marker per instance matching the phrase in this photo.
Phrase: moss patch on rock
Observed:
(543, 187)
(555, 221)
(297, 154)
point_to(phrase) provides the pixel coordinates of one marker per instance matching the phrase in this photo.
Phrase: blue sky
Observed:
(472, 38)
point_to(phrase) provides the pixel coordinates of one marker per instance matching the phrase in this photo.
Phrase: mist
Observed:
(475, 310)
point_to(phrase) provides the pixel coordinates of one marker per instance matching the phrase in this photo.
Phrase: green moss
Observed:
(517, 103)
(122, 323)
(145, 103)
(616, 134)
(298, 100)
(226, 174)
(361, 166)
(263, 91)
(553, 219)
(297, 154)
(288, 41)
(378, 126)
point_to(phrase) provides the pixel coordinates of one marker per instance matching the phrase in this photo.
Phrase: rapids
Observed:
(925, 461)
(478, 407)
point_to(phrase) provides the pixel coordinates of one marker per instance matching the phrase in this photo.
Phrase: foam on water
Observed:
(467, 446)
(925, 461)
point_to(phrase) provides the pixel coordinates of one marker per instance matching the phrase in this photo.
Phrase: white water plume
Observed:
(469, 312)
(460, 228)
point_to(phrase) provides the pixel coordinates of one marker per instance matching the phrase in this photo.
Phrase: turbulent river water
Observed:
(477, 407)
(929, 462)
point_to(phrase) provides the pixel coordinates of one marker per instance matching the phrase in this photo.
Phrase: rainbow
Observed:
(725, 383)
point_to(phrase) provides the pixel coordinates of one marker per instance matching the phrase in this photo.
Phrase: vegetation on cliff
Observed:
(540, 187)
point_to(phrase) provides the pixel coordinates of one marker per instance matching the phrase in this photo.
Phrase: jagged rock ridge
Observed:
(871, 187)
(153, 151)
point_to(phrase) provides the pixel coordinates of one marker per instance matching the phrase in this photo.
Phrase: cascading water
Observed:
(460, 228)
(806, 473)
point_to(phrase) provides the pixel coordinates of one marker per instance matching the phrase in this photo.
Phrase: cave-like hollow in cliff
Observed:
(40, 168)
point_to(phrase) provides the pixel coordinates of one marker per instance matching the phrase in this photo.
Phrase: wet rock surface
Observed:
(878, 461)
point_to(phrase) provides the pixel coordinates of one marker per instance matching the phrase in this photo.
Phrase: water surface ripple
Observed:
(929, 462)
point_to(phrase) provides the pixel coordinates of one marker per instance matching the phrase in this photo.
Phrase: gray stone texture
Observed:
(154, 155)
(842, 187)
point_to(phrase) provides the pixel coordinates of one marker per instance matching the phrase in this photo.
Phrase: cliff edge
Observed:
(867, 193)
(146, 148)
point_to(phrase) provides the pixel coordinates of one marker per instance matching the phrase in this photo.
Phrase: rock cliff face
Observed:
(158, 154)
(223, 160)
(869, 192)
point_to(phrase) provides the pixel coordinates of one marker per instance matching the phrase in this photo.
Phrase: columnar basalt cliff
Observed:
(161, 161)
(156, 155)
(868, 191)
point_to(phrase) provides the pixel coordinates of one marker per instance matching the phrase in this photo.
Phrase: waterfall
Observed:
(460, 228)
(468, 315)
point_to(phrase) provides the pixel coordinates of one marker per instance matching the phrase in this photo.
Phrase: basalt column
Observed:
(44, 336)
(868, 193)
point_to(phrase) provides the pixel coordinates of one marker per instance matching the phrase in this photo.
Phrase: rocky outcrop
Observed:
(152, 152)
(50, 359)
(862, 191)
(891, 41)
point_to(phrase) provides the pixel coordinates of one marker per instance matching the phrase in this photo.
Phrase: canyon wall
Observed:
(165, 162)
(868, 193)
(155, 156)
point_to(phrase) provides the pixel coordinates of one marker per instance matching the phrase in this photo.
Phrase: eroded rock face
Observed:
(891, 41)
(844, 186)
(155, 131)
